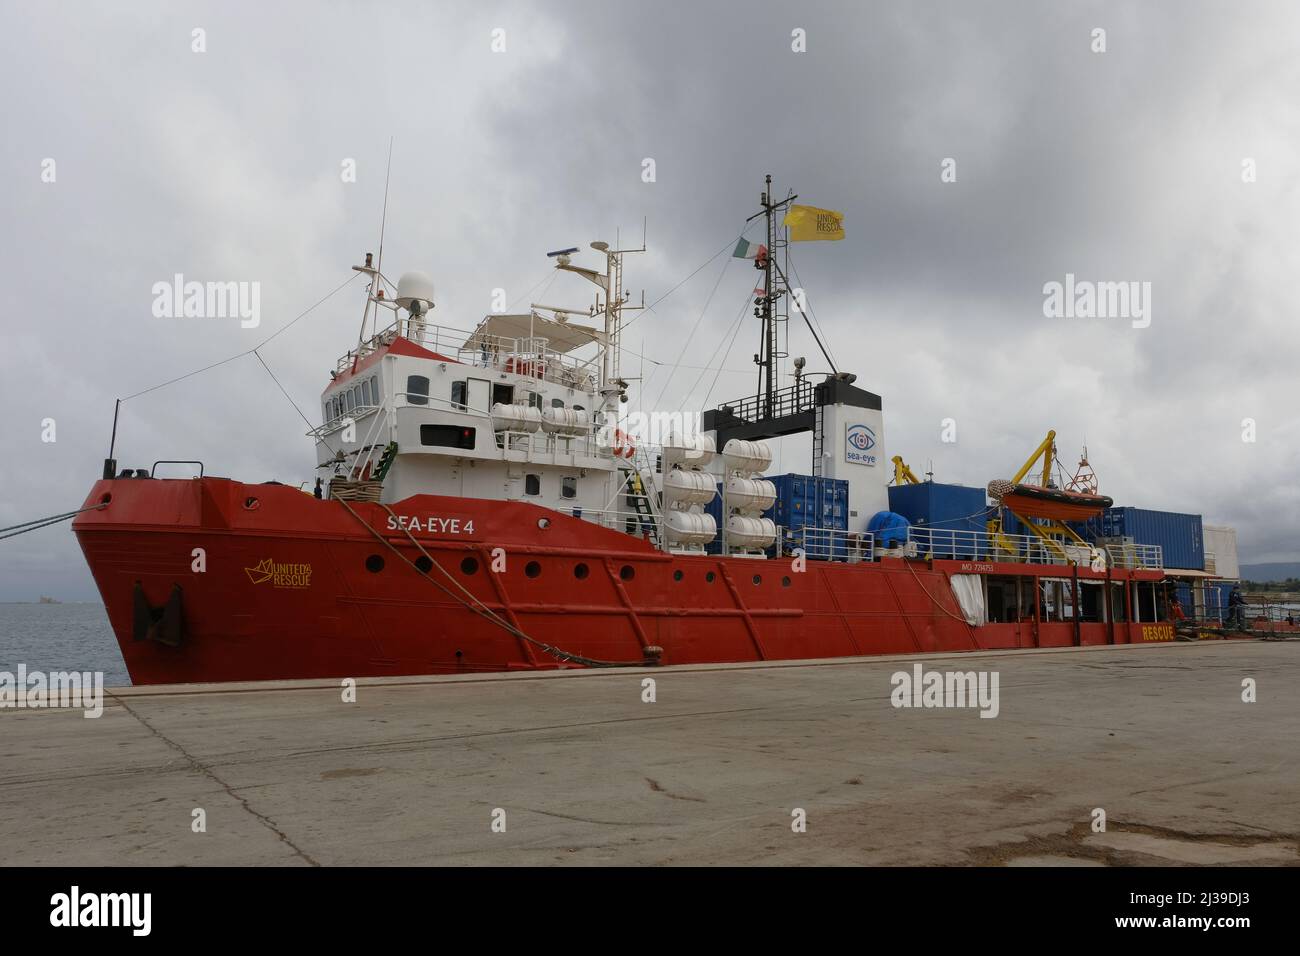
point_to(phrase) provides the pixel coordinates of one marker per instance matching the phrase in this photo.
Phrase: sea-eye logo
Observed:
(858, 442)
(280, 575)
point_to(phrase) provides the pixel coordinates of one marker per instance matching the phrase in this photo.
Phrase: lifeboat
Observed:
(1054, 504)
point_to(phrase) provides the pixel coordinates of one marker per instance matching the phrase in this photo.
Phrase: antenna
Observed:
(383, 220)
(374, 270)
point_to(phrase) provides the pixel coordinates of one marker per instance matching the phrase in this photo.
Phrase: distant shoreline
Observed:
(53, 603)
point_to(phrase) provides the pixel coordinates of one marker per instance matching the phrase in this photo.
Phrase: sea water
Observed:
(60, 637)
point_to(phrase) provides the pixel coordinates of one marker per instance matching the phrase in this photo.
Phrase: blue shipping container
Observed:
(714, 508)
(1179, 535)
(941, 508)
(802, 501)
(805, 501)
(833, 504)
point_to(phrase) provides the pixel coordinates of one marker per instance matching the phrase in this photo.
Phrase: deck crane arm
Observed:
(1051, 533)
(902, 473)
(1046, 451)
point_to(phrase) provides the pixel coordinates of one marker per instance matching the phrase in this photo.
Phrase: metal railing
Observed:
(529, 356)
(357, 413)
(1136, 556)
(629, 522)
(959, 544)
(790, 400)
(832, 544)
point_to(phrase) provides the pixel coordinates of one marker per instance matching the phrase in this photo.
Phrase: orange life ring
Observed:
(622, 446)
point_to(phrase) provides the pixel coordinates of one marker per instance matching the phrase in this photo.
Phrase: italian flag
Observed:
(749, 250)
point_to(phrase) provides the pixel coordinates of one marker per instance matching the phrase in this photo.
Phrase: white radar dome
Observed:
(415, 287)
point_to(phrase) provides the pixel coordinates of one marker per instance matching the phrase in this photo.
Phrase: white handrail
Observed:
(970, 545)
(834, 544)
(527, 356)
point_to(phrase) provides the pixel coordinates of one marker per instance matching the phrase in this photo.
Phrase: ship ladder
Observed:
(640, 501)
(385, 462)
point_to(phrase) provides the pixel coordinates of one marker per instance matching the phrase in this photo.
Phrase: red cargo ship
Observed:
(484, 507)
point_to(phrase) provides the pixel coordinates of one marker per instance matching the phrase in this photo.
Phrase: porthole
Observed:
(543, 523)
(374, 564)
(251, 504)
(709, 577)
(469, 565)
(532, 569)
(785, 581)
(758, 579)
(627, 572)
(580, 571)
(678, 575)
(423, 564)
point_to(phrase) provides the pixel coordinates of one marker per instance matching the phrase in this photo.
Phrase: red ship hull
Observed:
(275, 584)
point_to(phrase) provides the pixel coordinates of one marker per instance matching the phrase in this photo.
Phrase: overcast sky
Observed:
(225, 165)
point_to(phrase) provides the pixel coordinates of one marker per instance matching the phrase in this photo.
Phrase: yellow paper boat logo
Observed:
(280, 575)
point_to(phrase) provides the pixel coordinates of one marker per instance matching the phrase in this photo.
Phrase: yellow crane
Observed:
(1055, 535)
(902, 474)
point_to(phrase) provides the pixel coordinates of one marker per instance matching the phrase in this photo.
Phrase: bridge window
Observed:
(447, 436)
(417, 389)
(459, 393)
(557, 403)
(568, 487)
(348, 401)
(532, 484)
(534, 400)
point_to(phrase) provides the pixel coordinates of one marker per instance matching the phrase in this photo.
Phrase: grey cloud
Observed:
(1118, 166)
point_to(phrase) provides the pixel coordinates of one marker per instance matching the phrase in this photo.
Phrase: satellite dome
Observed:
(414, 287)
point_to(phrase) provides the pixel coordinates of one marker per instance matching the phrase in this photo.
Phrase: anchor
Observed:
(164, 625)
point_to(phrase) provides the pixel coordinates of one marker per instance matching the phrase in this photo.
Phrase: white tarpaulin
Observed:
(560, 337)
(969, 591)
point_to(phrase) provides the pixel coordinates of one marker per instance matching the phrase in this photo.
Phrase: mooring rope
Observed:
(39, 523)
(481, 609)
(932, 597)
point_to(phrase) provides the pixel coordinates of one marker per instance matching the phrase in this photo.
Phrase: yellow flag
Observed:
(808, 223)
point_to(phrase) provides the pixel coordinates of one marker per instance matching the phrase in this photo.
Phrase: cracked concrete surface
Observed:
(710, 773)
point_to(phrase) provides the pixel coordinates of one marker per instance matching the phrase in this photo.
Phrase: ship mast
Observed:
(771, 306)
(613, 388)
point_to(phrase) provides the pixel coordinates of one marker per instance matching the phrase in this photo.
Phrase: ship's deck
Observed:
(709, 773)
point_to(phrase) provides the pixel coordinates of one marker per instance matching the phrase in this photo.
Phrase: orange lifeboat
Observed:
(1055, 504)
